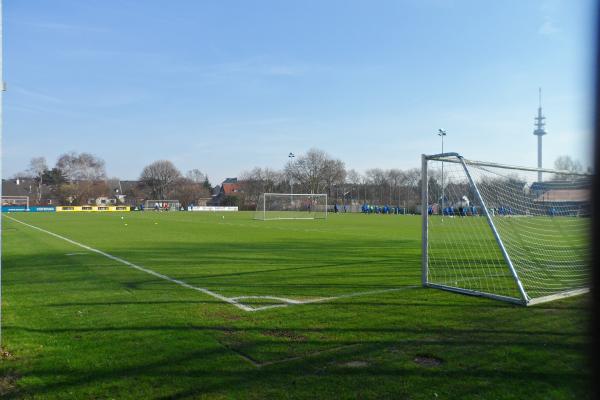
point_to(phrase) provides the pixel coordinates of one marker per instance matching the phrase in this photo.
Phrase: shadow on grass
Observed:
(486, 352)
(198, 378)
(245, 329)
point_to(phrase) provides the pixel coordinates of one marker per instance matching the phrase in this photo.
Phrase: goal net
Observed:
(16, 201)
(511, 233)
(161, 205)
(291, 206)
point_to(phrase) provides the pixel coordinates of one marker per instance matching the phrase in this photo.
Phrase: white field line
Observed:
(132, 265)
(230, 300)
(322, 299)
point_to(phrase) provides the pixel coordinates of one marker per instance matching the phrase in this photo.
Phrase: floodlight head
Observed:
(291, 155)
(441, 132)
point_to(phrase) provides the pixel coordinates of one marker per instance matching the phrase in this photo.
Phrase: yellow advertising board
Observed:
(92, 208)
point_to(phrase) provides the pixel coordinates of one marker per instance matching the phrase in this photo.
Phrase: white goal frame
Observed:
(488, 214)
(14, 198)
(153, 202)
(289, 195)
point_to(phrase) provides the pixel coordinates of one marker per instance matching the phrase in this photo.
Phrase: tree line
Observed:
(78, 177)
(318, 172)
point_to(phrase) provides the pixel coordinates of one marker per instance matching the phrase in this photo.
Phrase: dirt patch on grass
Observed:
(8, 384)
(428, 361)
(227, 331)
(5, 355)
(222, 314)
(356, 364)
(281, 333)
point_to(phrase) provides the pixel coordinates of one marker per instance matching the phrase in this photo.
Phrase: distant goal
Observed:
(161, 205)
(278, 206)
(510, 233)
(15, 201)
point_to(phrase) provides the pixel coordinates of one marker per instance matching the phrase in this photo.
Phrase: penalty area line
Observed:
(139, 268)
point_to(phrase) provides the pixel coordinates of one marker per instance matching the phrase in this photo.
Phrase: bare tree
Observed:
(81, 192)
(199, 177)
(377, 179)
(334, 174)
(566, 163)
(412, 180)
(258, 181)
(315, 171)
(37, 168)
(187, 191)
(354, 179)
(83, 166)
(395, 178)
(160, 177)
(195, 175)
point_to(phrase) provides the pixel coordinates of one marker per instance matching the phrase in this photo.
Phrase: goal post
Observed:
(161, 205)
(278, 206)
(498, 231)
(15, 201)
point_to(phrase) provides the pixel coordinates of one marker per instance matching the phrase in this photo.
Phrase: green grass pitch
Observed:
(211, 314)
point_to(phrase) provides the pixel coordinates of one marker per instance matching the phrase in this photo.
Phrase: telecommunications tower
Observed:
(539, 132)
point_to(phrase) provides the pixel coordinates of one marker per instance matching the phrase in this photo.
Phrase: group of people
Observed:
(371, 209)
(336, 209)
(451, 211)
(158, 206)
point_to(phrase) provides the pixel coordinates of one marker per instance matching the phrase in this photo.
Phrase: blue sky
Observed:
(224, 86)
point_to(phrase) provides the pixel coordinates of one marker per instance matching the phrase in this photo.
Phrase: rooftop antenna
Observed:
(539, 132)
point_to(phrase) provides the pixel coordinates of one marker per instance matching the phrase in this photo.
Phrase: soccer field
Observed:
(188, 305)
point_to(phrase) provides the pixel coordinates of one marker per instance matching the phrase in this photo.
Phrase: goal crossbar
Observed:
(291, 206)
(458, 159)
(15, 200)
(150, 205)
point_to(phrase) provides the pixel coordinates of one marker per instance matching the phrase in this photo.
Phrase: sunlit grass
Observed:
(80, 325)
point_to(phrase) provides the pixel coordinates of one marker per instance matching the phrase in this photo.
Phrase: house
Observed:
(103, 201)
(569, 197)
(28, 187)
(204, 201)
(231, 186)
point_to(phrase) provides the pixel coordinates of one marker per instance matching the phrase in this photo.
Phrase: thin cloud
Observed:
(255, 122)
(549, 10)
(66, 28)
(548, 27)
(34, 95)
(256, 66)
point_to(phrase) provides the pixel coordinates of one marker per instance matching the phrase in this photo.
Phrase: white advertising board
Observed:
(212, 208)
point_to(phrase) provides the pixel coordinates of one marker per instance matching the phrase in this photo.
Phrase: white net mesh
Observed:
(15, 201)
(161, 205)
(543, 225)
(291, 206)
